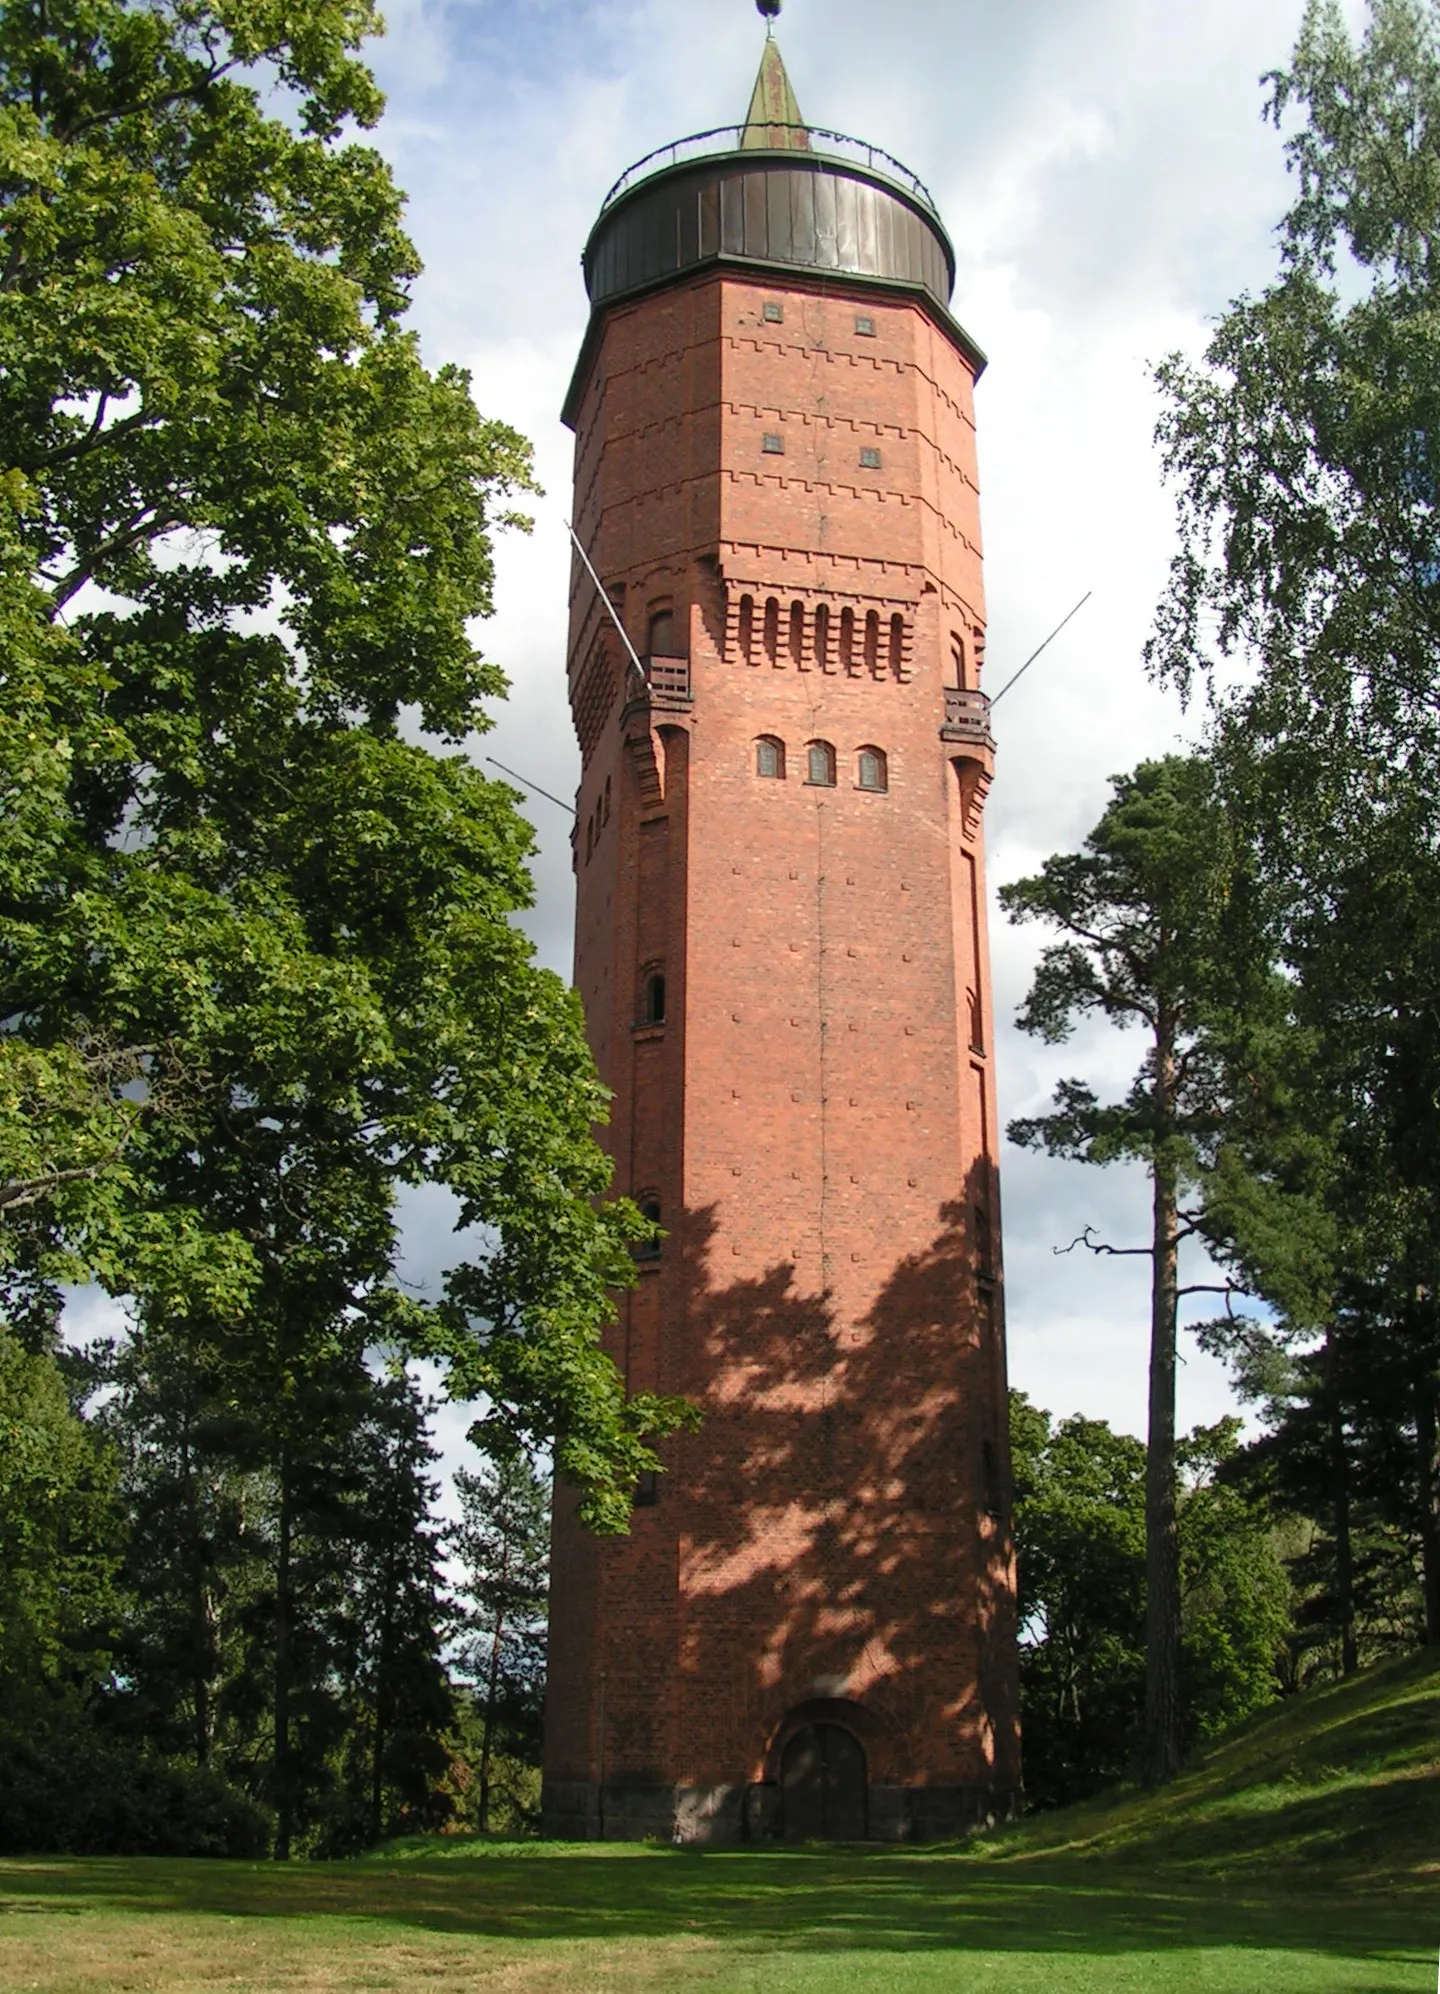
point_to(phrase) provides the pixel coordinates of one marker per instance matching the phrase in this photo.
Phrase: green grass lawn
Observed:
(1303, 1854)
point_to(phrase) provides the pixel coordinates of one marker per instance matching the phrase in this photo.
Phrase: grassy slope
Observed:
(1301, 1857)
(1337, 1788)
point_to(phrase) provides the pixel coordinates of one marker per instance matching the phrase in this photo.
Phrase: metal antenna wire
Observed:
(1039, 648)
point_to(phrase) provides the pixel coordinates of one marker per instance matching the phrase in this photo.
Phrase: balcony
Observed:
(967, 718)
(668, 679)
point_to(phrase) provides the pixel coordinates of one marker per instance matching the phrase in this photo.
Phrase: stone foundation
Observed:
(721, 1816)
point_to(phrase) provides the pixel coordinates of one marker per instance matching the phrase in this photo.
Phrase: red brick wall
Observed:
(816, 1115)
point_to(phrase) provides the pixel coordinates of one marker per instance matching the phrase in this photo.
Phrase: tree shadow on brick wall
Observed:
(845, 1509)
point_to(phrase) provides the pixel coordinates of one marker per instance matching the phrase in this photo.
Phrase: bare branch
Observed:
(1102, 1246)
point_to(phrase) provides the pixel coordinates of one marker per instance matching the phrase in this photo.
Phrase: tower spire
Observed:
(773, 121)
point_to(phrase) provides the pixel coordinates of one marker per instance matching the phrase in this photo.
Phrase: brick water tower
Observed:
(781, 947)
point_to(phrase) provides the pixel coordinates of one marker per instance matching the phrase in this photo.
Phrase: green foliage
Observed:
(59, 1534)
(68, 1788)
(286, 1613)
(1148, 918)
(1080, 1554)
(1235, 1599)
(502, 1545)
(1080, 1551)
(1155, 933)
(1305, 451)
(256, 944)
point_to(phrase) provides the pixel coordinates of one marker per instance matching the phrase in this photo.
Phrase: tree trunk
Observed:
(284, 1605)
(1161, 1750)
(1428, 1488)
(203, 1629)
(492, 1692)
(1340, 1487)
(382, 1695)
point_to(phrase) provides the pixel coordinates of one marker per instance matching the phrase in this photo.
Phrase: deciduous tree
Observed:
(258, 967)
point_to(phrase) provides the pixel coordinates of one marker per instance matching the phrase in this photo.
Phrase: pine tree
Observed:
(503, 1546)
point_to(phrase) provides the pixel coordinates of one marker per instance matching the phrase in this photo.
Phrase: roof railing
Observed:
(730, 138)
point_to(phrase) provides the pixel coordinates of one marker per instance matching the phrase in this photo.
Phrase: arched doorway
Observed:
(823, 1781)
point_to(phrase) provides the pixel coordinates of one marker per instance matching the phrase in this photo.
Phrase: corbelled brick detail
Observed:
(815, 1115)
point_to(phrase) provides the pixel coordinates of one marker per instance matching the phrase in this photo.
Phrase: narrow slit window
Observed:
(606, 818)
(746, 630)
(957, 661)
(797, 634)
(652, 1009)
(649, 1249)
(820, 765)
(873, 772)
(770, 757)
(847, 640)
(872, 642)
(897, 646)
(822, 637)
(772, 631)
(984, 1244)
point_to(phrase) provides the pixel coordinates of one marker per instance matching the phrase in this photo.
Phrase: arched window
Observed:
(897, 646)
(772, 630)
(822, 637)
(797, 633)
(872, 772)
(663, 643)
(648, 1249)
(872, 643)
(747, 626)
(770, 756)
(820, 764)
(847, 640)
(957, 661)
(652, 999)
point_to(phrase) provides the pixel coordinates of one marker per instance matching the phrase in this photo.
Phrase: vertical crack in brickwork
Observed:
(823, 1021)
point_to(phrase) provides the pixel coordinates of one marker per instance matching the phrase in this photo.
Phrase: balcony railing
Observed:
(669, 677)
(813, 139)
(967, 716)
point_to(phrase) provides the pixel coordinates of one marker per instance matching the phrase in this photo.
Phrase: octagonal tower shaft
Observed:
(781, 949)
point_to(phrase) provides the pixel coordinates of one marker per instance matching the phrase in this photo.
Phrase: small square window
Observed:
(773, 446)
(865, 326)
(870, 460)
(772, 312)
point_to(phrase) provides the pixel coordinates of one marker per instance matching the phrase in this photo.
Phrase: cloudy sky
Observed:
(1105, 174)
